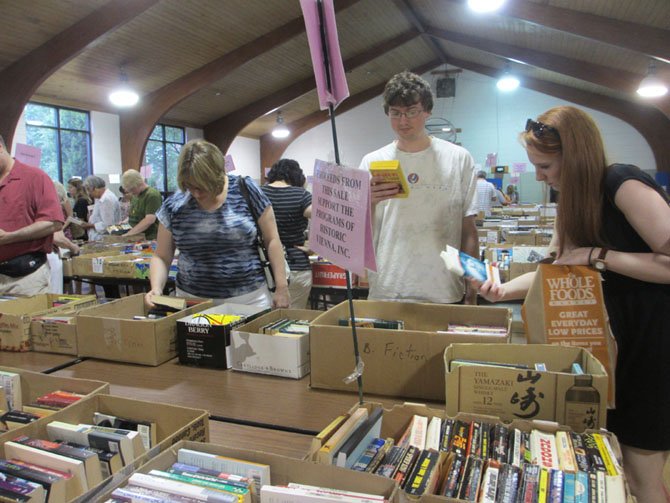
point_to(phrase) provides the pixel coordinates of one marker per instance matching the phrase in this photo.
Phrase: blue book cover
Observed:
(463, 264)
(582, 487)
(569, 480)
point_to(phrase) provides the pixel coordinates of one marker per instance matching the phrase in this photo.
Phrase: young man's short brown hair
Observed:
(406, 89)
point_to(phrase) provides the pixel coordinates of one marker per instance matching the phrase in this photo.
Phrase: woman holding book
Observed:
(617, 219)
(212, 225)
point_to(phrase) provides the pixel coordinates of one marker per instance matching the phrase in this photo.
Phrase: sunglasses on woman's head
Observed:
(538, 128)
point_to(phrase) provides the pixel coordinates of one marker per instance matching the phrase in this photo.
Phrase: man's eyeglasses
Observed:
(410, 114)
(539, 128)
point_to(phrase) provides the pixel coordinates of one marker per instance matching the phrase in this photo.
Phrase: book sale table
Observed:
(253, 399)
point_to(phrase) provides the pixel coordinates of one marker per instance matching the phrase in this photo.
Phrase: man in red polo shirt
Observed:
(29, 215)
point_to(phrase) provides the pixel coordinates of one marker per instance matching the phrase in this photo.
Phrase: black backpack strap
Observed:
(245, 194)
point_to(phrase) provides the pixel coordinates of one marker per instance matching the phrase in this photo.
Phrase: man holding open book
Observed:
(410, 232)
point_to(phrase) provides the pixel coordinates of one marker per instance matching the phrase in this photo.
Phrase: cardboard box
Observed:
(173, 425)
(16, 315)
(283, 470)
(209, 345)
(553, 395)
(401, 363)
(285, 356)
(36, 384)
(328, 275)
(109, 332)
(55, 337)
(126, 266)
(396, 420)
(122, 238)
(91, 264)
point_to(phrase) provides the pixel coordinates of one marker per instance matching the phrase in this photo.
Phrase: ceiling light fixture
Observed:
(280, 130)
(507, 82)
(651, 85)
(124, 96)
(485, 5)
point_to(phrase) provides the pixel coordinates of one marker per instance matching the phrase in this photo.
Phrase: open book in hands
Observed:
(464, 265)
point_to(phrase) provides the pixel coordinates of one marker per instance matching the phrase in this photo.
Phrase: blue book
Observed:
(463, 264)
(370, 452)
(569, 480)
(556, 487)
(582, 487)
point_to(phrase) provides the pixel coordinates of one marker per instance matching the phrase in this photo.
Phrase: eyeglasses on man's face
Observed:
(539, 128)
(394, 113)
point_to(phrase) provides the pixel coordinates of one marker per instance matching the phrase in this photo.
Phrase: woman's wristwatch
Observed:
(599, 262)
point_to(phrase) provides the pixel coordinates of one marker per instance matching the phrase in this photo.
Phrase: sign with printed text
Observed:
(340, 228)
(27, 154)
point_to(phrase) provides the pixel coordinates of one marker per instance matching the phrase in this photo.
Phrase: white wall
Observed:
(246, 154)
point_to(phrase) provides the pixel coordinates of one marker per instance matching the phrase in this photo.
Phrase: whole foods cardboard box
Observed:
(16, 315)
(557, 394)
(401, 363)
(173, 425)
(201, 343)
(283, 470)
(110, 332)
(280, 355)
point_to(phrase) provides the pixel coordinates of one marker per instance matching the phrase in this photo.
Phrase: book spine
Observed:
(459, 439)
(500, 443)
(368, 455)
(581, 459)
(475, 439)
(379, 457)
(454, 476)
(420, 479)
(391, 461)
(593, 453)
(490, 482)
(604, 454)
(406, 465)
(556, 487)
(446, 432)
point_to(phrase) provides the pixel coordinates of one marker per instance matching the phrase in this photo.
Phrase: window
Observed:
(64, 136)
(162, 153)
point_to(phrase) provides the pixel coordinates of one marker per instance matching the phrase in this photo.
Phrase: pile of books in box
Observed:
(201, 476)
(74, 459)
(475, 460)
(286, 326)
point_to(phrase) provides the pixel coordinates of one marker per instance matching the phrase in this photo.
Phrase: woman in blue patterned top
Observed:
(210, 223)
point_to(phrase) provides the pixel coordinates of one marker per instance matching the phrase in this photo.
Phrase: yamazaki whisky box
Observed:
(565, 306)
(503, 380)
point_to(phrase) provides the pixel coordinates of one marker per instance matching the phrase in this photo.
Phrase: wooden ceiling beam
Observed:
(413, 16)
(137, 124)
(653, 125)
(272, 148)
(223, 131)
(653, 42)
(20, 80)
(619, 80)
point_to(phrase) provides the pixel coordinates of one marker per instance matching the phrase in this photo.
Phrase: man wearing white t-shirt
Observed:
(410, 233)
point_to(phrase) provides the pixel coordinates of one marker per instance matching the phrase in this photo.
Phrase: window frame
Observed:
(57, 128)
(164, 144)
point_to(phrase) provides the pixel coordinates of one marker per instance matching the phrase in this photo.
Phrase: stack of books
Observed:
(477, 461)
(286, 326)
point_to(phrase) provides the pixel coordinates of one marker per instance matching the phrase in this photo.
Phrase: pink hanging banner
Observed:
(491, 160)
(340, 228)
(519, 167)
(229, 164)
(145, 171)
(27, 154)
(339, 90)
